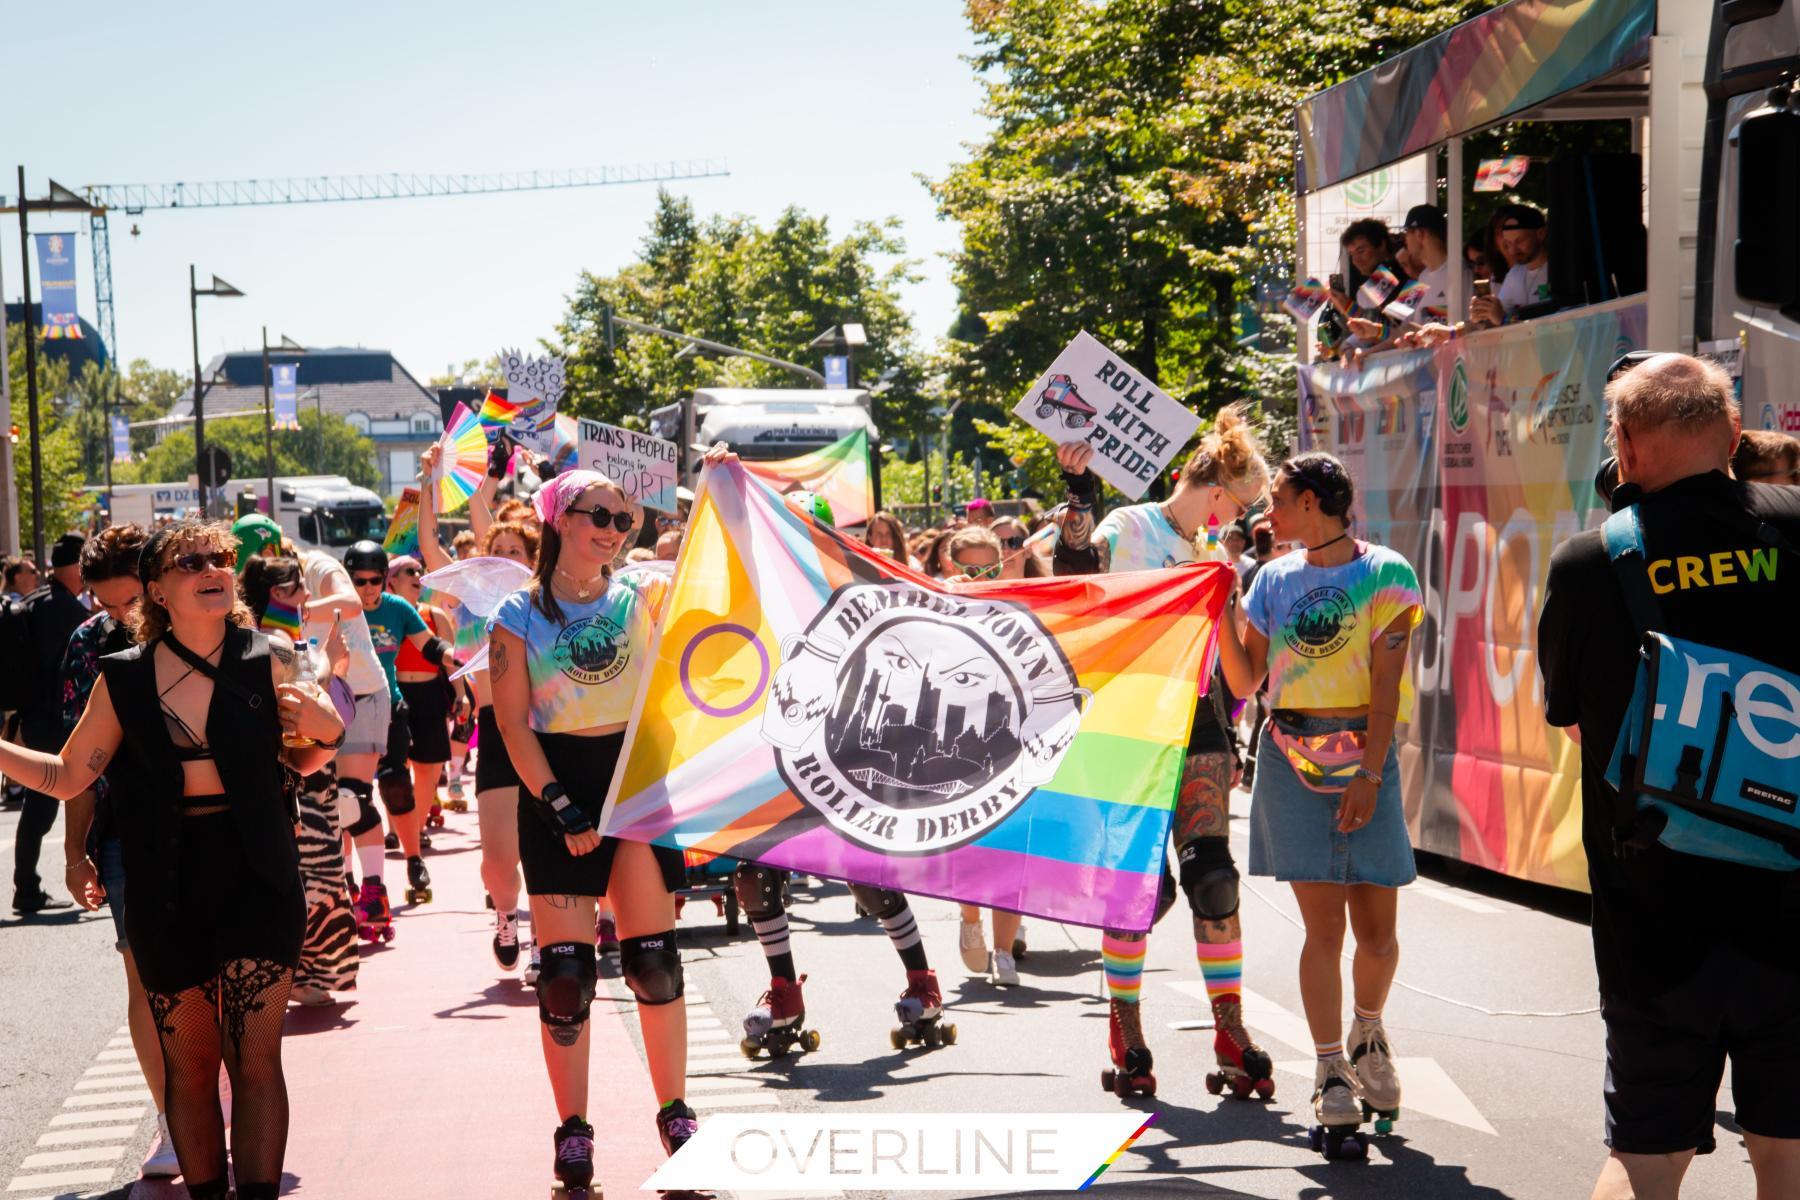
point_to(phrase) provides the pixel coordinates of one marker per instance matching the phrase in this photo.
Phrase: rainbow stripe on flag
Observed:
(813, 705)
(403, 530)
(497, 412)
(839, 472)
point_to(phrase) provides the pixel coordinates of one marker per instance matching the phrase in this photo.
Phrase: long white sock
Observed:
(370, 859)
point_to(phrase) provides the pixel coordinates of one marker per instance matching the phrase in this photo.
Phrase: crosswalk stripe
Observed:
(101, 1133)
(106, 1081)
(118, 1068)
(59, 1180)
(70, 1158)
(92, 1098)
(121, 1055)
(99, 1114)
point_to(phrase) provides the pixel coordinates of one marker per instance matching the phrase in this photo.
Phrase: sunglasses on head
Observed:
(602, 517)
(973, 571)
(193, 564)
(367, 580)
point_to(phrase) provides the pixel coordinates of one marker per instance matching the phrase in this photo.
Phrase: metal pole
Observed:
(268, 427)
(199, 415)
(9, 502)
(31, 395)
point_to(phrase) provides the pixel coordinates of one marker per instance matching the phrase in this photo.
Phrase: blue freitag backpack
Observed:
(1708, 759)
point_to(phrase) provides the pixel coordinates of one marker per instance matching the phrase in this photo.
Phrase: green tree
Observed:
(60, 449)
(323, 445)
(729, 279)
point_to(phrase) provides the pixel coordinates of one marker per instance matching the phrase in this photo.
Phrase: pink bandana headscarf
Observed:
(553, 499)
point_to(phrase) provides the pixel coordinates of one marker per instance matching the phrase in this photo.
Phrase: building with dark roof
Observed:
(368, 388)
(77, 352)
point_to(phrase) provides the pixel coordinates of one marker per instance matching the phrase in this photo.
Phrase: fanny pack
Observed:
(1325, 762)
(1703, 763)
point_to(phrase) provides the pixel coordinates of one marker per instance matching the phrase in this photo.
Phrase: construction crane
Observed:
(136, 198)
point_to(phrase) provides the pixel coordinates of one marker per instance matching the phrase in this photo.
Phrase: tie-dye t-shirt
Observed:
(1322, 623)
(1140, 538)
(584, 671)
(391, 622)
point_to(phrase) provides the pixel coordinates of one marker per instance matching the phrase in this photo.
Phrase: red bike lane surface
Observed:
(430, 1075)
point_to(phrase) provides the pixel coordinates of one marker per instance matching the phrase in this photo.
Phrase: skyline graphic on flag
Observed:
(813, 705)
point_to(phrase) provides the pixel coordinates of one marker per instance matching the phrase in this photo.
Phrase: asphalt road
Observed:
(1493, 1022)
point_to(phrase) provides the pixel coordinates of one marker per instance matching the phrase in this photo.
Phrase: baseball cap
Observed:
(1522, 216)
(1429, 218)
(67, 551)
(254, 533)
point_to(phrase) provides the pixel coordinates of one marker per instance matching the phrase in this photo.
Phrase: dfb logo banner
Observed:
(1091, 395)
(813, 705)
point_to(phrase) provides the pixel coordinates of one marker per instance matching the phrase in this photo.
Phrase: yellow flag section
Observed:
(815, 706)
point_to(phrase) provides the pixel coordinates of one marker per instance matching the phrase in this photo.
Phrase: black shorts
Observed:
(428, 720)
(1665, 1057)
(224, 909)
(493, 765)
(584, 766)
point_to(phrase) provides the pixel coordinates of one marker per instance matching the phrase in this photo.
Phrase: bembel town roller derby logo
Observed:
(915, 721)
(590, 651)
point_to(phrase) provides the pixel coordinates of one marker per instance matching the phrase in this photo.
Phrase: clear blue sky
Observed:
(833, 107)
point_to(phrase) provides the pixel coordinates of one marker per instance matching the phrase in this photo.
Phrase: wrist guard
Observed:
(1084, 489)
(560, 812)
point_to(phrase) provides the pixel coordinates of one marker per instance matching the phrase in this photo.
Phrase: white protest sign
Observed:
(644, 467)
(1090, 395)
(535, 384)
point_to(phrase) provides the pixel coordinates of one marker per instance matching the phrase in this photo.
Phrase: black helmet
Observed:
(366, 556)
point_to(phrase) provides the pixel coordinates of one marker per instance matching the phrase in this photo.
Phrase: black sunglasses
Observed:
(601, 517)
(193, 564)
(1014, 543)
(367, 580)
(407, 571)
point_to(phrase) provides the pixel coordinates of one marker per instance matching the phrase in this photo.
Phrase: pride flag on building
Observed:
(839, 472)
(813, 705)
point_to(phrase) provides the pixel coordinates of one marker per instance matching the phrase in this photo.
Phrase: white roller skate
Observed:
(1338, 1109)
(1375, 1073)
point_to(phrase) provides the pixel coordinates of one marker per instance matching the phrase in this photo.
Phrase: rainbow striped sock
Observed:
(1124, 959)
(1363, 1014)
(1222, 966)
(1329, 1050)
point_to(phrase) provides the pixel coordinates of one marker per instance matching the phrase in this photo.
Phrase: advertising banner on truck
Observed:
(1475, 460)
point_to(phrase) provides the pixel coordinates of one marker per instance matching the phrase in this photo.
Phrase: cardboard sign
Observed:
(534, 383)
(644, 467)
(1090, 395)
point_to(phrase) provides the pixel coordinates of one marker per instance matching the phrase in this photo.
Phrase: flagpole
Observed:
(31, 389)
(268, 427)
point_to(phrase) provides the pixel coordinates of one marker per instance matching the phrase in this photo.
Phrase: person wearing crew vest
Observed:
(1696, 962)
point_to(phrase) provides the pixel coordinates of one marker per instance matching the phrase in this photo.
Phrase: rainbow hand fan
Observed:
(463, 460)
(497, 412)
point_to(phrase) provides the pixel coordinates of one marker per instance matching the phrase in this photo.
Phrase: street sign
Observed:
(837, 370)
(215, 466)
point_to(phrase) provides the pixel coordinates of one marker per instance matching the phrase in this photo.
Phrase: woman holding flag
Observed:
(1222, 480)
(565, 658)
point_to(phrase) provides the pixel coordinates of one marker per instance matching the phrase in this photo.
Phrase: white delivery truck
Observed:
(317, 512)
(762, 424)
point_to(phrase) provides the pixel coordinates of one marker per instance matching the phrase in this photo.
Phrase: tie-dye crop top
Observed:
(1322, 623)
(1139, 537)
(584, 670)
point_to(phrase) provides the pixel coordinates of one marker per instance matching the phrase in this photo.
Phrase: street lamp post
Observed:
(287, 346)
(847, 339)
(219, 288)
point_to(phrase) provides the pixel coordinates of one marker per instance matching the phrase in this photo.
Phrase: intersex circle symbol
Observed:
(687, 661)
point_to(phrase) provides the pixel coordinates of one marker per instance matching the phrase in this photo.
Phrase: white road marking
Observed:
(122, 1068)
(1433, 890)
(135, 1113)
(715, 1083)
(136, 1095)
(1425, 1088)
(125, 1055)
(59, 1181)
(107, 1081)
(738, 1100)
(70, 1158)
(102, 1133)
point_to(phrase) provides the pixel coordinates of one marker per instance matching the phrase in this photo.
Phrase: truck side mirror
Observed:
(1767, 251)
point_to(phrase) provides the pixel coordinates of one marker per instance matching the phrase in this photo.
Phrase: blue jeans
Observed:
(109, 860)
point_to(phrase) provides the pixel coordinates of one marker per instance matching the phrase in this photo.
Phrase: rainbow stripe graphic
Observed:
(811, 704)
(497, 412)
(1501, 62)
(403, 531)
(279, 618)
(1114, 1156)
(839, 472)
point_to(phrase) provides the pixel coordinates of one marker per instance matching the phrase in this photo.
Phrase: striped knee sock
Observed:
(903, 931)
(1222, 966)
(1124, 959)
(773, 934)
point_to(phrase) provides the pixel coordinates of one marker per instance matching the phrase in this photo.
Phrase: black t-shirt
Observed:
(1656, 912)
(52, 613)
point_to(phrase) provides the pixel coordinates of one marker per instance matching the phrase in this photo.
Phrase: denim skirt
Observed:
(1293, 830)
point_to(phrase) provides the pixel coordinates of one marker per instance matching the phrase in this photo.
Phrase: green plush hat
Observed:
(254, 533)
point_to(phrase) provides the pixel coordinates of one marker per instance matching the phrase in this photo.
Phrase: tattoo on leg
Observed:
(560, 901)
(564, 1035)
(1201, 808)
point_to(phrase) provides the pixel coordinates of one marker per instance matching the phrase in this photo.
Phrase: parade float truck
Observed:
(1475, 458)
(762, 424)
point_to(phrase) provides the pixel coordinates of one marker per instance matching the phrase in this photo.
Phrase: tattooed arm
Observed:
(511, 686)
(1076, 551)
(1386, 667)
(71, 771)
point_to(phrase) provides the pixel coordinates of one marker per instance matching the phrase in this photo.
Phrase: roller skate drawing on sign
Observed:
(1060, 396)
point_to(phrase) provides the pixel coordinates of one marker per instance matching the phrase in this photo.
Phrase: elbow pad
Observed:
(436, 650)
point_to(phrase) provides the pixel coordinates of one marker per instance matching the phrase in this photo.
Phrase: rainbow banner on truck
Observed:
(1475, 461)
(815, 706)
(839, 472)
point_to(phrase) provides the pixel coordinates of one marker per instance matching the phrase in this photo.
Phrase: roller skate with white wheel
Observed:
(506, 941)
(374, 919)
(574, 1162)
(418, 881)
(455, 800)
(777, 1023)
(1130, 1074)
(1244, 1068)
(1375, 1073)
(675, 1126)
(1338, 1111)
(921, 1010)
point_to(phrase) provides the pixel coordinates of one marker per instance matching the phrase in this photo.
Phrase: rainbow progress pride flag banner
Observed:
(815, 706)
(403, 530)
(839, 472)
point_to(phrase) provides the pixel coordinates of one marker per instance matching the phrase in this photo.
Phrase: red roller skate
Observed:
(1130, 1075)
(606, 935)
(921, 1009)
(374, 919)
(435, 818)
(1244, 1067)
(777, 1022)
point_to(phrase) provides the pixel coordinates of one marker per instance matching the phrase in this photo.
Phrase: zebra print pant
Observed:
(328, 954)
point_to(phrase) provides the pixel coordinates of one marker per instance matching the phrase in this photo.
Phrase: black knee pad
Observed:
(1210, 878)
(880, 903)
(566, 982)
(761, 891)
(367, 817)
(396, 793)
(652, 967)
(1166, 891)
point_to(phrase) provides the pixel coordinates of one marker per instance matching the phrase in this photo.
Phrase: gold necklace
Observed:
(581, 587)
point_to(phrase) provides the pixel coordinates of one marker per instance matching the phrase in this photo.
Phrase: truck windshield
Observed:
(344, 526)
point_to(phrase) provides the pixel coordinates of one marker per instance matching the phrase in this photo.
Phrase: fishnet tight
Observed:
(235, 1018)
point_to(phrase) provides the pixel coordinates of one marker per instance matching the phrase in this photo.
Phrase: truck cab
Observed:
(762, 424)
(318, 512)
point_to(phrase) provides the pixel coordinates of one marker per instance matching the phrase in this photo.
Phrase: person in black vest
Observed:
(1696, 964)
(52, 613)
(196, 714)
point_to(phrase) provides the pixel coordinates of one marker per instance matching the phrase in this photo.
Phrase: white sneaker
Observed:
(533, 965)
(973, 946)
(161, 1164)
(1004, 973)
(310, 995)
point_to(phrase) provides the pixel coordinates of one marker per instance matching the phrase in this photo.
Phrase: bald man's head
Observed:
(1671, 416)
